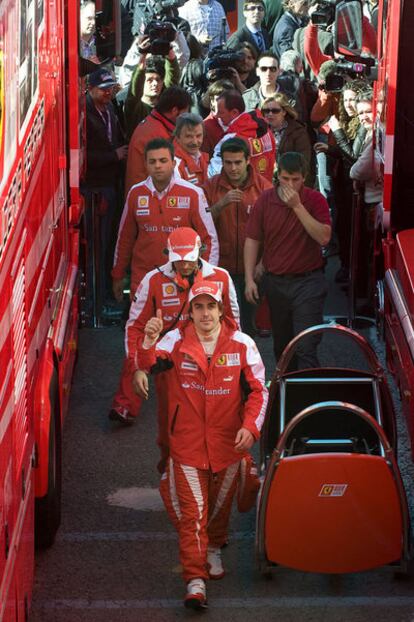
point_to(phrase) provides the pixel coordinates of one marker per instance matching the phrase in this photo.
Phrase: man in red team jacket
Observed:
(153, 209)
(191, 162)
(160, 123)
(166, 288)
(212, 423)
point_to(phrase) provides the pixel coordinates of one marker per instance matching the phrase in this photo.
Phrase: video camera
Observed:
(219, 61)
(161, 35)
(149, 15)
(335, 82)
(324, 15)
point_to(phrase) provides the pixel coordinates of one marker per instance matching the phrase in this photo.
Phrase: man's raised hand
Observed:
(154, 326)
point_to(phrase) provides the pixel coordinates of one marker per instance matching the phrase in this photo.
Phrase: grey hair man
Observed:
(191, 162)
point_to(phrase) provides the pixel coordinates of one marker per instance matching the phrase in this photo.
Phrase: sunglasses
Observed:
(254, 7)
(271, 110)
(271, 69)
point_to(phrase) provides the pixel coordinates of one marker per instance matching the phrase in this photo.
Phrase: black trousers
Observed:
(296, 303)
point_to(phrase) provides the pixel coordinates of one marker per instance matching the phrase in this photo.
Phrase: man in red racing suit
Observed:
(166, 288)
(153, 209)
(211, 426)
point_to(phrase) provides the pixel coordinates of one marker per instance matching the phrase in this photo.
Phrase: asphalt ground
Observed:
(116, 555)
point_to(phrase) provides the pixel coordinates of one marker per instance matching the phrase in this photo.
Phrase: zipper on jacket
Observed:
(174, 420)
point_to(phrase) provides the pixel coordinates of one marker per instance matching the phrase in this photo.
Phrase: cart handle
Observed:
(367, 350)
(340, 406)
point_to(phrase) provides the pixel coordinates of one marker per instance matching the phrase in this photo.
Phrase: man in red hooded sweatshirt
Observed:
(249, 126)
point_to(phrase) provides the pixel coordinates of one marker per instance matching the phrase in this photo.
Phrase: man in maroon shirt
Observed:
(292, 223)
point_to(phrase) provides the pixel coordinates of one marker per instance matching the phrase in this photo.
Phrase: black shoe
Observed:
(122, 415)
(342, 276)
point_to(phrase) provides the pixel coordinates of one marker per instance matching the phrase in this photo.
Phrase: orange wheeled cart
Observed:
(332, 499)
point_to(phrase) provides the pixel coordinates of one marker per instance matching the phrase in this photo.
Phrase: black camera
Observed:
(324, 15)
(155, 10)
(335, 81)
(161, 35)
(219, 62)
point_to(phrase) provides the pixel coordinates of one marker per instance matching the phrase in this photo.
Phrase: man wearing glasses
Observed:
(267, 71)
(252, 31)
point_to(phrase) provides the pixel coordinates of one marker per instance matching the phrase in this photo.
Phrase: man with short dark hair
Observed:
(249, 126)
(291, 223)
(267, 71)
(166, 287)
(151, 75)
(231, 195)
(191, 162)
(252, 31)
(153, 209)
(211, 429)
(213, 127)
(159, 123)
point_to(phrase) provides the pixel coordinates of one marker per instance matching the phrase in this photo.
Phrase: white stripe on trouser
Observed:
(173, 490)
(191, 475)
(226, 484)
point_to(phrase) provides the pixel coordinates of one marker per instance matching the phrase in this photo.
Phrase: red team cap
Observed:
(183, 244)
(206, 288)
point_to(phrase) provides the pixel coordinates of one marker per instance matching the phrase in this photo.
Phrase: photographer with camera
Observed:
(246, 67)
(323, 13)
(152, 74)
(208, 22)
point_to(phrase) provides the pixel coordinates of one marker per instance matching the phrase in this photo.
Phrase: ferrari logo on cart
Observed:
(333, 490)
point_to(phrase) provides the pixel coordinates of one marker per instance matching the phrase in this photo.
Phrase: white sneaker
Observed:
(215, 565)
(196, 594)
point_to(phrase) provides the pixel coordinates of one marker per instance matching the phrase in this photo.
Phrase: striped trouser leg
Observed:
(221, 493)
(190, 509)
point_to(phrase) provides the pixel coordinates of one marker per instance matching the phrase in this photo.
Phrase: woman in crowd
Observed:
(344, 148)
(290, 134)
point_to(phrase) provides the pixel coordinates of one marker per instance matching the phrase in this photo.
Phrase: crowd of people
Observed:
(222, 153)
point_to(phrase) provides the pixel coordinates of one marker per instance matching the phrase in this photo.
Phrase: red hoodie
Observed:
(259, 138)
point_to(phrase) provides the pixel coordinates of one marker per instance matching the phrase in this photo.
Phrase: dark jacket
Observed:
(295, 138)
(285, 30)
(244, 34)
(103, 167)
(274, 11)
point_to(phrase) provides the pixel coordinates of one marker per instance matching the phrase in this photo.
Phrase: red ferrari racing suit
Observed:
(148, 219)
(207, 407)
(164, 289)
